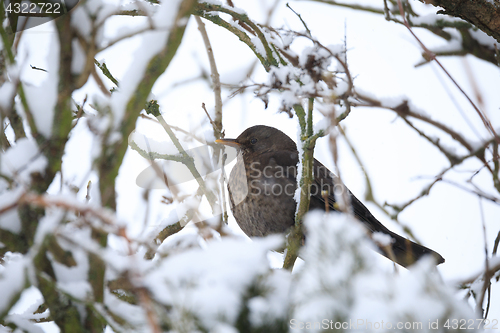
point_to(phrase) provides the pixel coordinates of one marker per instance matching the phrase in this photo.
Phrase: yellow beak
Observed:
(228, 142)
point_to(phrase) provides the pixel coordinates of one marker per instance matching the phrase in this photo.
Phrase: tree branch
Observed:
(483, 14)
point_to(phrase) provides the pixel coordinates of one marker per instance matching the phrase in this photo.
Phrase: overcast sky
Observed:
(382, 56)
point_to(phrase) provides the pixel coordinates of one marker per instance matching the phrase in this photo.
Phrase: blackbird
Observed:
(262, 186)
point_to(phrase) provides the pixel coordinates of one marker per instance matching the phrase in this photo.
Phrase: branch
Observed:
(483, 14)
(106, 71)
(215, 78)
(189, 163)
(432, 56)
(308, 142)
(113, 154)
(267, 59)
(352, 6)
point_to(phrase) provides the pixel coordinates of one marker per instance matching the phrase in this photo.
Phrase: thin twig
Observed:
(189, 163)
(487, 277)
(432, 56)
(214, 125)
(215, 78)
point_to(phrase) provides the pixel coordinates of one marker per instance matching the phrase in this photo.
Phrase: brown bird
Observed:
(262, 186)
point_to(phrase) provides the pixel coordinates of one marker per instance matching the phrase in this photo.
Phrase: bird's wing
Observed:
(405, 252)
(324, 180)
(281, 163)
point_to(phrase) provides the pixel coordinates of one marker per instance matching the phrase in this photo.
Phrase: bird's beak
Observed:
(228, 142)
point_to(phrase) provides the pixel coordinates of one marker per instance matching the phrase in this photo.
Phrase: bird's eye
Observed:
(253, 141)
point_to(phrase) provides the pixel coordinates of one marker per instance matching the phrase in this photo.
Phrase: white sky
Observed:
(381, 56)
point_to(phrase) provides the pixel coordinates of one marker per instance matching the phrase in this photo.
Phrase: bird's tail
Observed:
(405, 252)
(402, 251)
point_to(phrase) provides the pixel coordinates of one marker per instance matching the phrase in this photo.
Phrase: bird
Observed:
(262, 186)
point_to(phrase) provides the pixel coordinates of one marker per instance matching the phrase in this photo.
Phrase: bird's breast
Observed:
(261, 197)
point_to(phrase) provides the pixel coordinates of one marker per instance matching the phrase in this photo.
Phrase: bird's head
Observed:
(260, 139)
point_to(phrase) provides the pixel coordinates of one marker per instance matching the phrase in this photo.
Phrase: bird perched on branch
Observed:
(262, 186)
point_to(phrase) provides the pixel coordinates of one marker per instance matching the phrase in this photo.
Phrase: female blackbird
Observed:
(262, 186)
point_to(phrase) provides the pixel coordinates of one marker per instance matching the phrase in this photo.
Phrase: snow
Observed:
(10, 219)
(341, 88)
(382, 239)
(300, 150)
(432, 19)
(21, 323)
(72, 280)
(92, 10)
(151, 145)
(7, 93)
(264, 309)
(238, 10)
(339, 50)
(203, 281)
(186, 207)
(79, 58)
(13, 71)
(33, 296)
(387, 101)
(12, 280)
(180, 243)
(151, 43)
(133, 313)
(224, 328)
(80, 290)
(48, 224)
(423, 289)
(149, 47)
(114, 138)
(147, 7)
(80, 20)
(22, 159)
(81, 238)
(453, 45)
(340, 282)
(258, 46)
(42, 99)
(322, 125)
(494, 261)
(213, 2)
(164, 18)
(235, 25)
(483, 38)
(209, 283)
